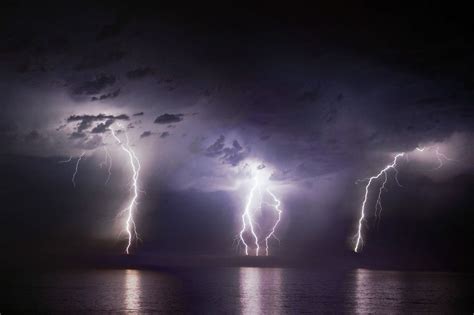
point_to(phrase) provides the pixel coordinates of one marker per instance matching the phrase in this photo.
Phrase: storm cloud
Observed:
(145, 134)
(95, 85)
(169, 118)
(113, 94)
(103, 127)
(86, 121)
(140, 73)
(232, 155)
(314, 102)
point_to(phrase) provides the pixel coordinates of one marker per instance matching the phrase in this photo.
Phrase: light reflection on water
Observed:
(373, 295)
(132, 290)
(420, 292)
(238, 291)
(260, 290)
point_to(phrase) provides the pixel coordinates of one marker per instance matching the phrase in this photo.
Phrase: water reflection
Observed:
(260, 290)
(240, 290)
(132, 290)
(377, 290)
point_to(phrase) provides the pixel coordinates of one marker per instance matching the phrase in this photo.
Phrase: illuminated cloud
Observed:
(86, 121)
(232, 155)
(113, 94)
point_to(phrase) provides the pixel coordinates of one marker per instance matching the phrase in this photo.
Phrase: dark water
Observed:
(239, 290)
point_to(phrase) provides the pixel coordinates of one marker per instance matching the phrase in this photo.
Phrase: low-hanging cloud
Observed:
(146, 134)
(113, 94)
(103, 127)
(169, 118)
(85, 121)
(232, 155)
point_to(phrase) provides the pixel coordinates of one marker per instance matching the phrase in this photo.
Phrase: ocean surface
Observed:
(238, 291)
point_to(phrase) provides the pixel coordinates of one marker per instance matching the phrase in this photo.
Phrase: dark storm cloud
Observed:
(146, 134)
(232, 155)
(99, 60)
(216, 148)
(85, 121)
(61, 127)
(97, 117)
(84, 125)
(291, 96)
(94, 86)
(77, 135)
(113, 94)
(169, 118)
(139, 114)
(103, 127)
(140, 73)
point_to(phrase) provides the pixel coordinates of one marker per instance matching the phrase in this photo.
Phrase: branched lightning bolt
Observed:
(274, 227)
(135, 166)
(378, 205)
(76, 169)
(247, 216)
(392, 165)
(440, 156)
(107, 161)
(73, 179)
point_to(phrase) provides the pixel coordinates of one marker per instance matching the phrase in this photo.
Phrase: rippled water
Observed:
(240, 290)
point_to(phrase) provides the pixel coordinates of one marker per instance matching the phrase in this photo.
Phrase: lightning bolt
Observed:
(247, 216)
(274, 227)
(130, 226)
(440, 156)
(66, 161)
(255, 201)
(73, 179)
(76, 169)
(107, 161)
(378, 204)
(392, 165)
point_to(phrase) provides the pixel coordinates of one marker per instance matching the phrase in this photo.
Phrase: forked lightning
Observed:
(384, 173)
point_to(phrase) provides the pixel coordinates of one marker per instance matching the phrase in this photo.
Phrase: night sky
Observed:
(209, 94)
